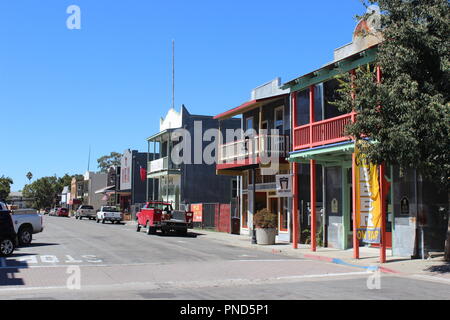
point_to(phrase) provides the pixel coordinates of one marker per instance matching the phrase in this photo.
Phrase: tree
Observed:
(45, 191)
(106, 162)
(407, 115)
(412, 125)
(5, 187)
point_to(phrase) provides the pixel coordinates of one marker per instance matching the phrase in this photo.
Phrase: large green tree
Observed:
(5, 187)
(105, 162)
(408, 113)
(45, 191)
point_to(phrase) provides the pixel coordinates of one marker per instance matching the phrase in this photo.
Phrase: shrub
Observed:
(265, 219)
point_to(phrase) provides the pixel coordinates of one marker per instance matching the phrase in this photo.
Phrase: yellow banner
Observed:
(368, 202)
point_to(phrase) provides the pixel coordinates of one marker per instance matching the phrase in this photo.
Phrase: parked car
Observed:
(85, 211)
(62, 212)
(53, 212)
(26, 223)
(108, 213)
(8, 236)
(161, 216)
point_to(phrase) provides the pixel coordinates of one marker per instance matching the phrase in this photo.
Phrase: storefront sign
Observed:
(197, 209)
(334, 206)
(404, 206)
(284, 185)
(126, 170)
(368, 203)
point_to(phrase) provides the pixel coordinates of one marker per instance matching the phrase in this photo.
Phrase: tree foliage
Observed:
(408, 113)
(105, 162)
(45, 191)
(5, 187)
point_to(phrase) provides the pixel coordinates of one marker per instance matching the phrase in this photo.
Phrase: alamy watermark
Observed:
(73, 22)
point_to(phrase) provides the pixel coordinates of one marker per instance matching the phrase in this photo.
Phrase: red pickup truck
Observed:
(160, 216)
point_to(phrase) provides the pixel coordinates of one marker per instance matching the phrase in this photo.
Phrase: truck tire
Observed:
(6, 247)
(182, 232)
(25, 236)
(151, 230)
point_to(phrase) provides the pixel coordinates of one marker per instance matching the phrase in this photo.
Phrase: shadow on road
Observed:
(40, 244)
(175, 235)
(9, 271)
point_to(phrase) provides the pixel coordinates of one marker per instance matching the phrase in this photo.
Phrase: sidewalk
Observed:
(369, 257)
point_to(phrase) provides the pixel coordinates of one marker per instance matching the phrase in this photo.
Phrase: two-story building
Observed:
(181, 169)
(332, 199)
(257, 154)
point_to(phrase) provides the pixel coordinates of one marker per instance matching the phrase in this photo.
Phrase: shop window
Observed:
(283, 214)
(330, 95)
(245, 211)
(234, 188)
(302, 107)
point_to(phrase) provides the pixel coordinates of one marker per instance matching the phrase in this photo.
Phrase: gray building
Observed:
(181, 166)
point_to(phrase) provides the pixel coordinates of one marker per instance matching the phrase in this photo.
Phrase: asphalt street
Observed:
(75, 259)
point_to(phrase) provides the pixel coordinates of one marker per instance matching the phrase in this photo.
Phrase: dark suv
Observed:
(8, 237)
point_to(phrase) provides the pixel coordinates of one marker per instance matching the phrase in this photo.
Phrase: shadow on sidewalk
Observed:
(442, 269)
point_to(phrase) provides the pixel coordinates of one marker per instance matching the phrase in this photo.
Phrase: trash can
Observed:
(235, 225)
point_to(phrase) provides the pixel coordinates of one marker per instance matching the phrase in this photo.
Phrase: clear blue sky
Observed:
(108, 84)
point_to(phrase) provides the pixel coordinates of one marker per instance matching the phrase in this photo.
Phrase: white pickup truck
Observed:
(107, 213)
(26, 223)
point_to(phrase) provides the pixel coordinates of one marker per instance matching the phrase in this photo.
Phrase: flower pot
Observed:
(266, 236)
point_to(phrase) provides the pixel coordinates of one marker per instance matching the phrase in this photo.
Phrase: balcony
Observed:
(251, 150)
(322, 132)
(161, 165)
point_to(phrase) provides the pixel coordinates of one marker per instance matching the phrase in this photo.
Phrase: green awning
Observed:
(326, 155)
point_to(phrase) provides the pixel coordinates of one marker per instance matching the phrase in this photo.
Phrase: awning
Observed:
(248, 106)
(325, 155)
(104, 190)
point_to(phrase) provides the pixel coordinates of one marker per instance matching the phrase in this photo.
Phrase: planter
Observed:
(266, 236)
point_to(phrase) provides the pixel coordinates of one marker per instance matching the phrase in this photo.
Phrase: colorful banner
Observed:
(368, 202)
(197, 209)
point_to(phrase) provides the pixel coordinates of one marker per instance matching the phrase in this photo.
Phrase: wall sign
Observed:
(334, 206)
(284, 185)
(404, 206)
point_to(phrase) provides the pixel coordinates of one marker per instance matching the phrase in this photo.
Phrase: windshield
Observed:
(110, 209)
(87, 207)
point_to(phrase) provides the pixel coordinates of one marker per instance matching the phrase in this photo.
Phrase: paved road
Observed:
(116, 262)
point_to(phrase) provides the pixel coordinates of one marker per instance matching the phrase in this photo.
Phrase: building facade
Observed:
(336, 197)
(257, 155)
(178, 171)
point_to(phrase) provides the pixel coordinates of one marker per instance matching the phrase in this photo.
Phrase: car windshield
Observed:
(110, 209)
(87, 207)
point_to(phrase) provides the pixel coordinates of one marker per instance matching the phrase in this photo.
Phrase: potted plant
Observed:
(266, 224)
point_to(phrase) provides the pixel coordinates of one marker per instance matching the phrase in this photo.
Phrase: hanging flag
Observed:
(368, 202)
(143, 172)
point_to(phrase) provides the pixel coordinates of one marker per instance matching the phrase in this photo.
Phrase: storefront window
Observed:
(245, 211)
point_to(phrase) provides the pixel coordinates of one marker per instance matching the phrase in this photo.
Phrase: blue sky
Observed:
(108, 84)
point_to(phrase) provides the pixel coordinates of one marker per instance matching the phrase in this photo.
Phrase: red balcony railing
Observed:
(322, 132)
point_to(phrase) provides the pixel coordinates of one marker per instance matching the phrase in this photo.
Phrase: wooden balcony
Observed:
(322, 132)
(251, 150)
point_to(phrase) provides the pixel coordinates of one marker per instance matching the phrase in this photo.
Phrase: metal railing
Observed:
(322, 132)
